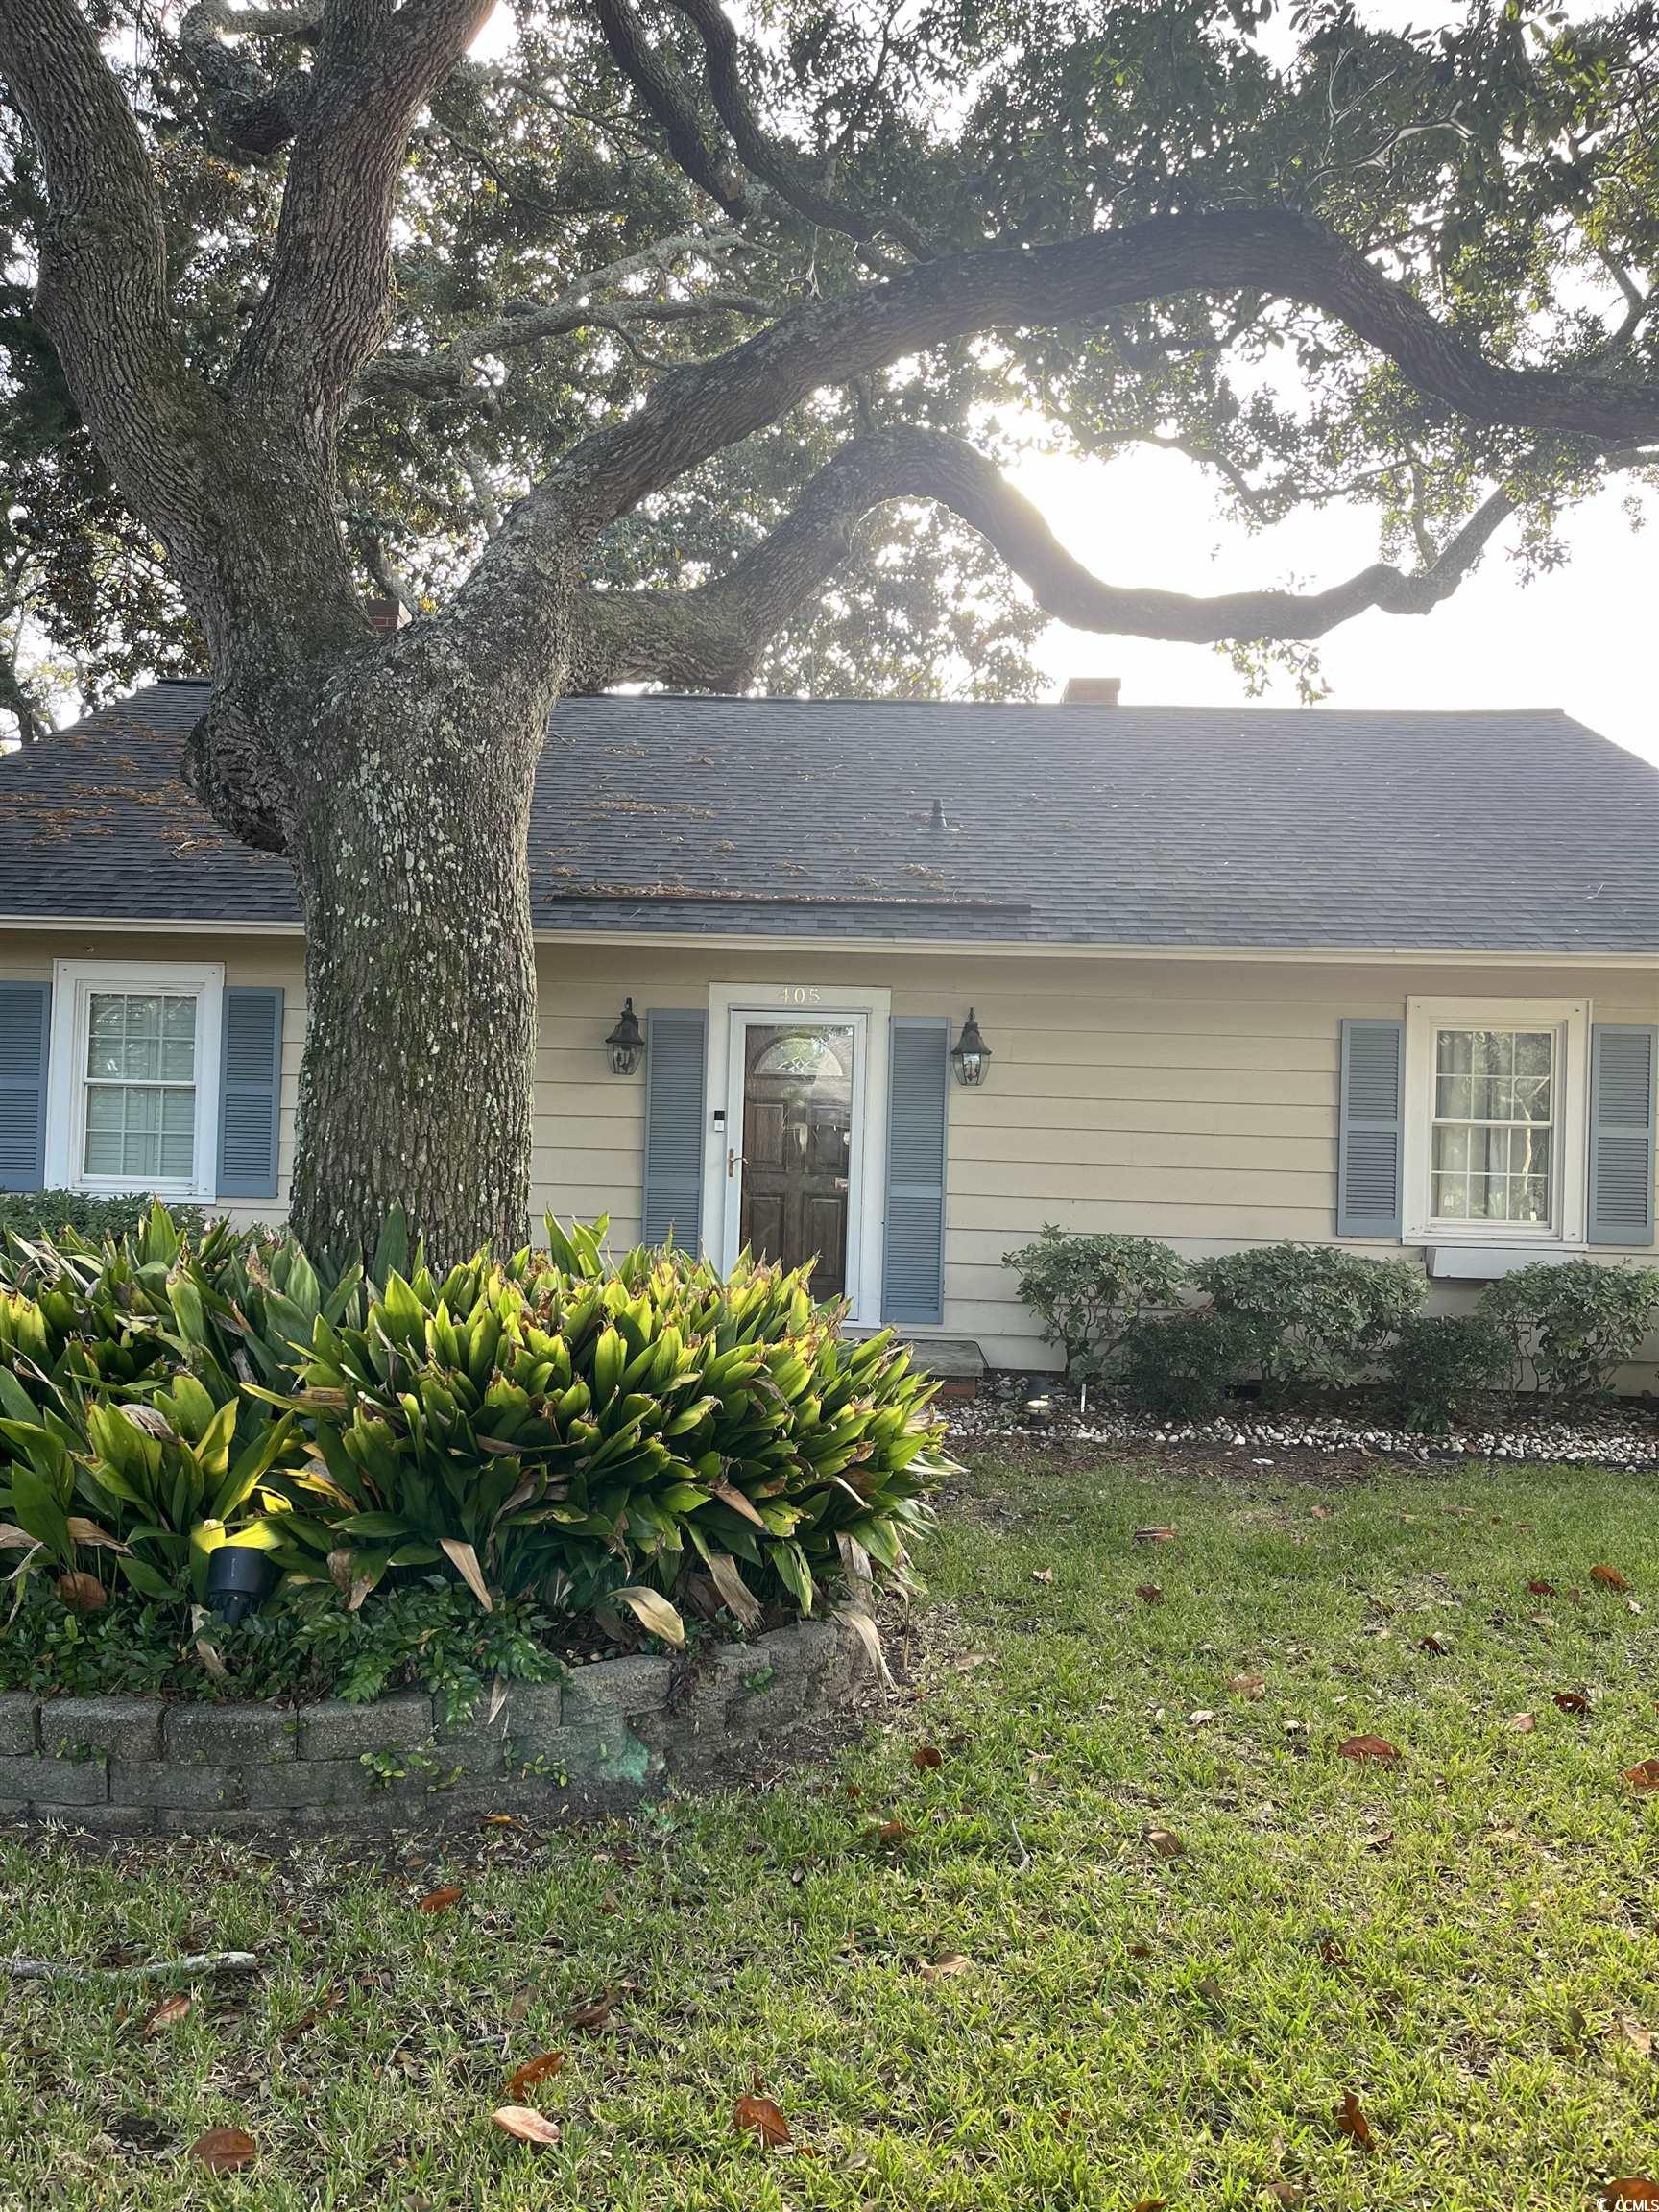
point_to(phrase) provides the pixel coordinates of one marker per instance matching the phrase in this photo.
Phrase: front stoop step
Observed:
(956, 1363)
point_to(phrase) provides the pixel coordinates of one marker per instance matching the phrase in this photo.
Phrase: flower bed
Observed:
(601, 1738)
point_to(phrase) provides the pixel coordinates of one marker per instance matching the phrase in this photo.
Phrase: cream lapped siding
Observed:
(1190, 1099)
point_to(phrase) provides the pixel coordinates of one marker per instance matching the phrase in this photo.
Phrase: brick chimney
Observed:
(385, 614)
(1092, 691)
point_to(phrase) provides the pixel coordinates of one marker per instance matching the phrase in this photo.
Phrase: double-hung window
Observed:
(135, 1077)
(1495, 1133)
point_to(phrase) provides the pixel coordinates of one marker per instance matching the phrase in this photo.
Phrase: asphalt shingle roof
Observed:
(1157, 826)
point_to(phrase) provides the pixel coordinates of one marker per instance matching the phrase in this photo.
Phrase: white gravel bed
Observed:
(1610, 1436)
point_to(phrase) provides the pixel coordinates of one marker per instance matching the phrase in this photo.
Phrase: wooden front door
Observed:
(798, 1146)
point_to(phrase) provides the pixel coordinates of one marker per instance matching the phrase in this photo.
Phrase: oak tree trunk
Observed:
(408, 839)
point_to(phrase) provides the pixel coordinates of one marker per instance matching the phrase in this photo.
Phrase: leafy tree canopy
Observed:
(605, 193)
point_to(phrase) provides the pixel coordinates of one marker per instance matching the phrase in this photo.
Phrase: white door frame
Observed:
(731, 1007)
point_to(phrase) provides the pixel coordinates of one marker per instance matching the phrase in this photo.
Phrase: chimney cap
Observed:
(1092, 691)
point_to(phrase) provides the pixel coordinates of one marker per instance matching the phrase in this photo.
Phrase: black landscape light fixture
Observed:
(627, 1042)
(239, 1578)
(971, 1055)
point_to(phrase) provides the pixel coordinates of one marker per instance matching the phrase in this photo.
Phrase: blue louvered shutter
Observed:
(1622, 1089)
(1369, 1170)
(249, 1091)
(675, 1053)
(913, 1257)
(25, 1031)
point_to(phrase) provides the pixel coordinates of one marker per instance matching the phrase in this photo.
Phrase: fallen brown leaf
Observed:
(1353, 2122)
(1150, 2203)
(927, 1755)
(758, 2115)
(1369, 1747)
(225, 2150)
(1435, 1645)
(1633, 2188)
(1318, 1512)
(534, 2070)
(525, 2124)
(1247, 1685)
(167, 2015)
(887, 1832)
(441, 1900)
(1165, 1843)
(942, 1969)
(1148, 1592)
(1609, 1578)
(1522, 1723)
(1542, 1589)
(1571, 1702)
(1042, 1573)
(1639, 2037)
(1162, 1533)
(1645, 1776)
(596, 2013)
(83, 1593)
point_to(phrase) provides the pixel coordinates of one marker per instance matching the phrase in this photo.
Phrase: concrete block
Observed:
(335, 1730)
(98, 1819)
(177, 1788)
(228, 1735)
(17, 1731)
(305, 1782)
(612, 1688)
(127, 1728)
(57, 1781)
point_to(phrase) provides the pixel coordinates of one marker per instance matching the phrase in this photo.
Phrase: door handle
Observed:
(732, 1158)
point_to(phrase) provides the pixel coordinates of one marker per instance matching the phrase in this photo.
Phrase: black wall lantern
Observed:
(627, 1042)
(971, 1055)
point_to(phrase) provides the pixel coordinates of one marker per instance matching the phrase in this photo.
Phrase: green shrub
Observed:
(1440, 1364)
(1088, 1291)
(50, 1212)
(1320, 1314)
(1571, 1326)
(548, 1428)
(1181, 1366)
(430, 1636)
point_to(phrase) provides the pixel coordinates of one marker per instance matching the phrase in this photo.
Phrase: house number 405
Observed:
(799, 995)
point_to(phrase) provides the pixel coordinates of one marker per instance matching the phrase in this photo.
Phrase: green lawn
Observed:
(1465, 1940)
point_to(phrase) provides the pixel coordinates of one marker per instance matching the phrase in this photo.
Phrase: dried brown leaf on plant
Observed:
(927, 1755)
(225, 2150)
(83, 1593)
(755, 2114)
(440, 1900)
(533, 2070)
(1352, 2121)
(526, 2125)
(1376, 1747)
(1609, 1578)
(167, 2015)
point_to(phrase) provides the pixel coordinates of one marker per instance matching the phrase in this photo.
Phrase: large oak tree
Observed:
(643, 345)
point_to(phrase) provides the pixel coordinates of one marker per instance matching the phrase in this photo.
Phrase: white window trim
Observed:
(867, 1192)
(73, 983)
(1570, 1018)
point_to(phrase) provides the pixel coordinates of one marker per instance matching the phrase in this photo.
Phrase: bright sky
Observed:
(1583, 638)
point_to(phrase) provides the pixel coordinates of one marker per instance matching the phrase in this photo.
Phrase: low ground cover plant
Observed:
(1177, 1340)
(611, 1446)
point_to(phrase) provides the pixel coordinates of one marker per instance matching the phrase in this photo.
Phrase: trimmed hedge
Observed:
(32, 1214)
(618, 1444)
(1280, 1318)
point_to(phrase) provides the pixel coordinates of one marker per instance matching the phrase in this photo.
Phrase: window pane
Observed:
(1494, 1106)
(178, 1041)
(104, 1121)
(105, 1034)
(179, 1133)
(143, 1056)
